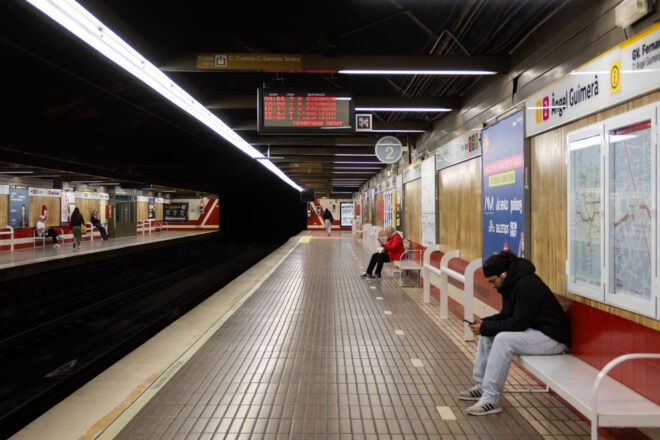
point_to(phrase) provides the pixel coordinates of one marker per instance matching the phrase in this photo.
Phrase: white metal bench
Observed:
(39, 236)
(405, 263)
(604, 400)
(8, 231)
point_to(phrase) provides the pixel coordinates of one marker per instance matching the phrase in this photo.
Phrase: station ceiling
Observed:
(64, 106)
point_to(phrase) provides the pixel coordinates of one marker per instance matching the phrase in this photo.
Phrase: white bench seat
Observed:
(573, 380)
(407, 265)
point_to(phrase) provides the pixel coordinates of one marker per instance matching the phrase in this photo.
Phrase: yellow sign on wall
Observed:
(615, 76)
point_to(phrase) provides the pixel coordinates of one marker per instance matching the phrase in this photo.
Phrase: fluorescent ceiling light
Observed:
(399, 131)
(402, 109)
(88, 28)
(414, 72)
(361, 163)
(356, 168)
(16, 172)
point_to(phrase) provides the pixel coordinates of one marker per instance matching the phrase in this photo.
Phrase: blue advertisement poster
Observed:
(505, 187)
(18, 208)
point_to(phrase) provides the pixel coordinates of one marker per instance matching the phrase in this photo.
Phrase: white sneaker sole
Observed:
(485, 413)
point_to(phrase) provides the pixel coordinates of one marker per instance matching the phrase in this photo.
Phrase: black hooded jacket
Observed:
(527, 303)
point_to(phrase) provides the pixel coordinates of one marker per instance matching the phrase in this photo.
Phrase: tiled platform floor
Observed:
(314, 354)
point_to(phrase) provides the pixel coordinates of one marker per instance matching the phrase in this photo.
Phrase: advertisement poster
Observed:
(18, 208)
(151, 206)
(505, 188)
(372, 202)
(175, 212)
(347, 213)
(68, 205)
(428, 202)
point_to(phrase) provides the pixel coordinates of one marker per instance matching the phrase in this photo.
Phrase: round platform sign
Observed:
(389, 149)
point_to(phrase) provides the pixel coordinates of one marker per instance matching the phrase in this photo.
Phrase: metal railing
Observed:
(357, 228)
(601, 375)
(444, 272)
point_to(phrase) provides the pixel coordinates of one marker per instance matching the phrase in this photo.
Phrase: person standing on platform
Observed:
(329, 219)
(96, 222)
(392, 250)
(532, 322)
(46, 232)
(77, 221)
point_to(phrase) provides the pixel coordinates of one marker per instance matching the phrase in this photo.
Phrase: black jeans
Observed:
(50, 232)
(377, 260)
(104, 235)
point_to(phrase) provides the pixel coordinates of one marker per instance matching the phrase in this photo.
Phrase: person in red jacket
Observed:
(392, 251)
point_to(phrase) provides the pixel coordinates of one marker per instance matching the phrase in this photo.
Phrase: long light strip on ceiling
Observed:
(88, 28)
(402, 109)
(415, 72)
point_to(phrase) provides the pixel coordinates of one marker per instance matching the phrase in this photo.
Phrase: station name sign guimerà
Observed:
(620, 74)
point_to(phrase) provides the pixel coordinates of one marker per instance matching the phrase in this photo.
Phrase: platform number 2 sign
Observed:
(389, 149)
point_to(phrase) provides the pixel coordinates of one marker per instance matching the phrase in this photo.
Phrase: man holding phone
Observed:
(531, 322)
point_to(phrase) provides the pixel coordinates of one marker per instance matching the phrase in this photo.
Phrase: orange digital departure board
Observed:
(295, 111)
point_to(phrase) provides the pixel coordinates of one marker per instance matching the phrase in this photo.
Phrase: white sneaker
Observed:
(482, 408)
(56, 245)
(59, 237)
(473, 393)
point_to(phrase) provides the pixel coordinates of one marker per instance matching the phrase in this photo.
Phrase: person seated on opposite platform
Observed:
(96, 222)
(42, 231)
(532, 322)
(391, 250)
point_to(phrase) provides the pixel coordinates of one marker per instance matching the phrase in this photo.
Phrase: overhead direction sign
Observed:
(389, 149)
(249, 61)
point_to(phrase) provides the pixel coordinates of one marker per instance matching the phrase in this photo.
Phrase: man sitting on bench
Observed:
(42, 231)
(532, 322)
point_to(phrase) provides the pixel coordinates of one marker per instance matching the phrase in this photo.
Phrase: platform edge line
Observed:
(120, 422)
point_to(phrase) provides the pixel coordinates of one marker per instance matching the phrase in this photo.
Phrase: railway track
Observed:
(52, 346)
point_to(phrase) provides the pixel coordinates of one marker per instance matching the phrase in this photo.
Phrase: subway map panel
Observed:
(586, 215)
(631, 226)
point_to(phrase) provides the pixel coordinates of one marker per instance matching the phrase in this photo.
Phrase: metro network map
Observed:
(631, 184)
(586, 215)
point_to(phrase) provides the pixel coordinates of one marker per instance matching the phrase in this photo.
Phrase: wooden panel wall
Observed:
(412, 211)
(459, 208)
(52, 205)
(380, 221)
(142, 211)
(87, 206)
(549, 186)
(4, 211)
(159, 212)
